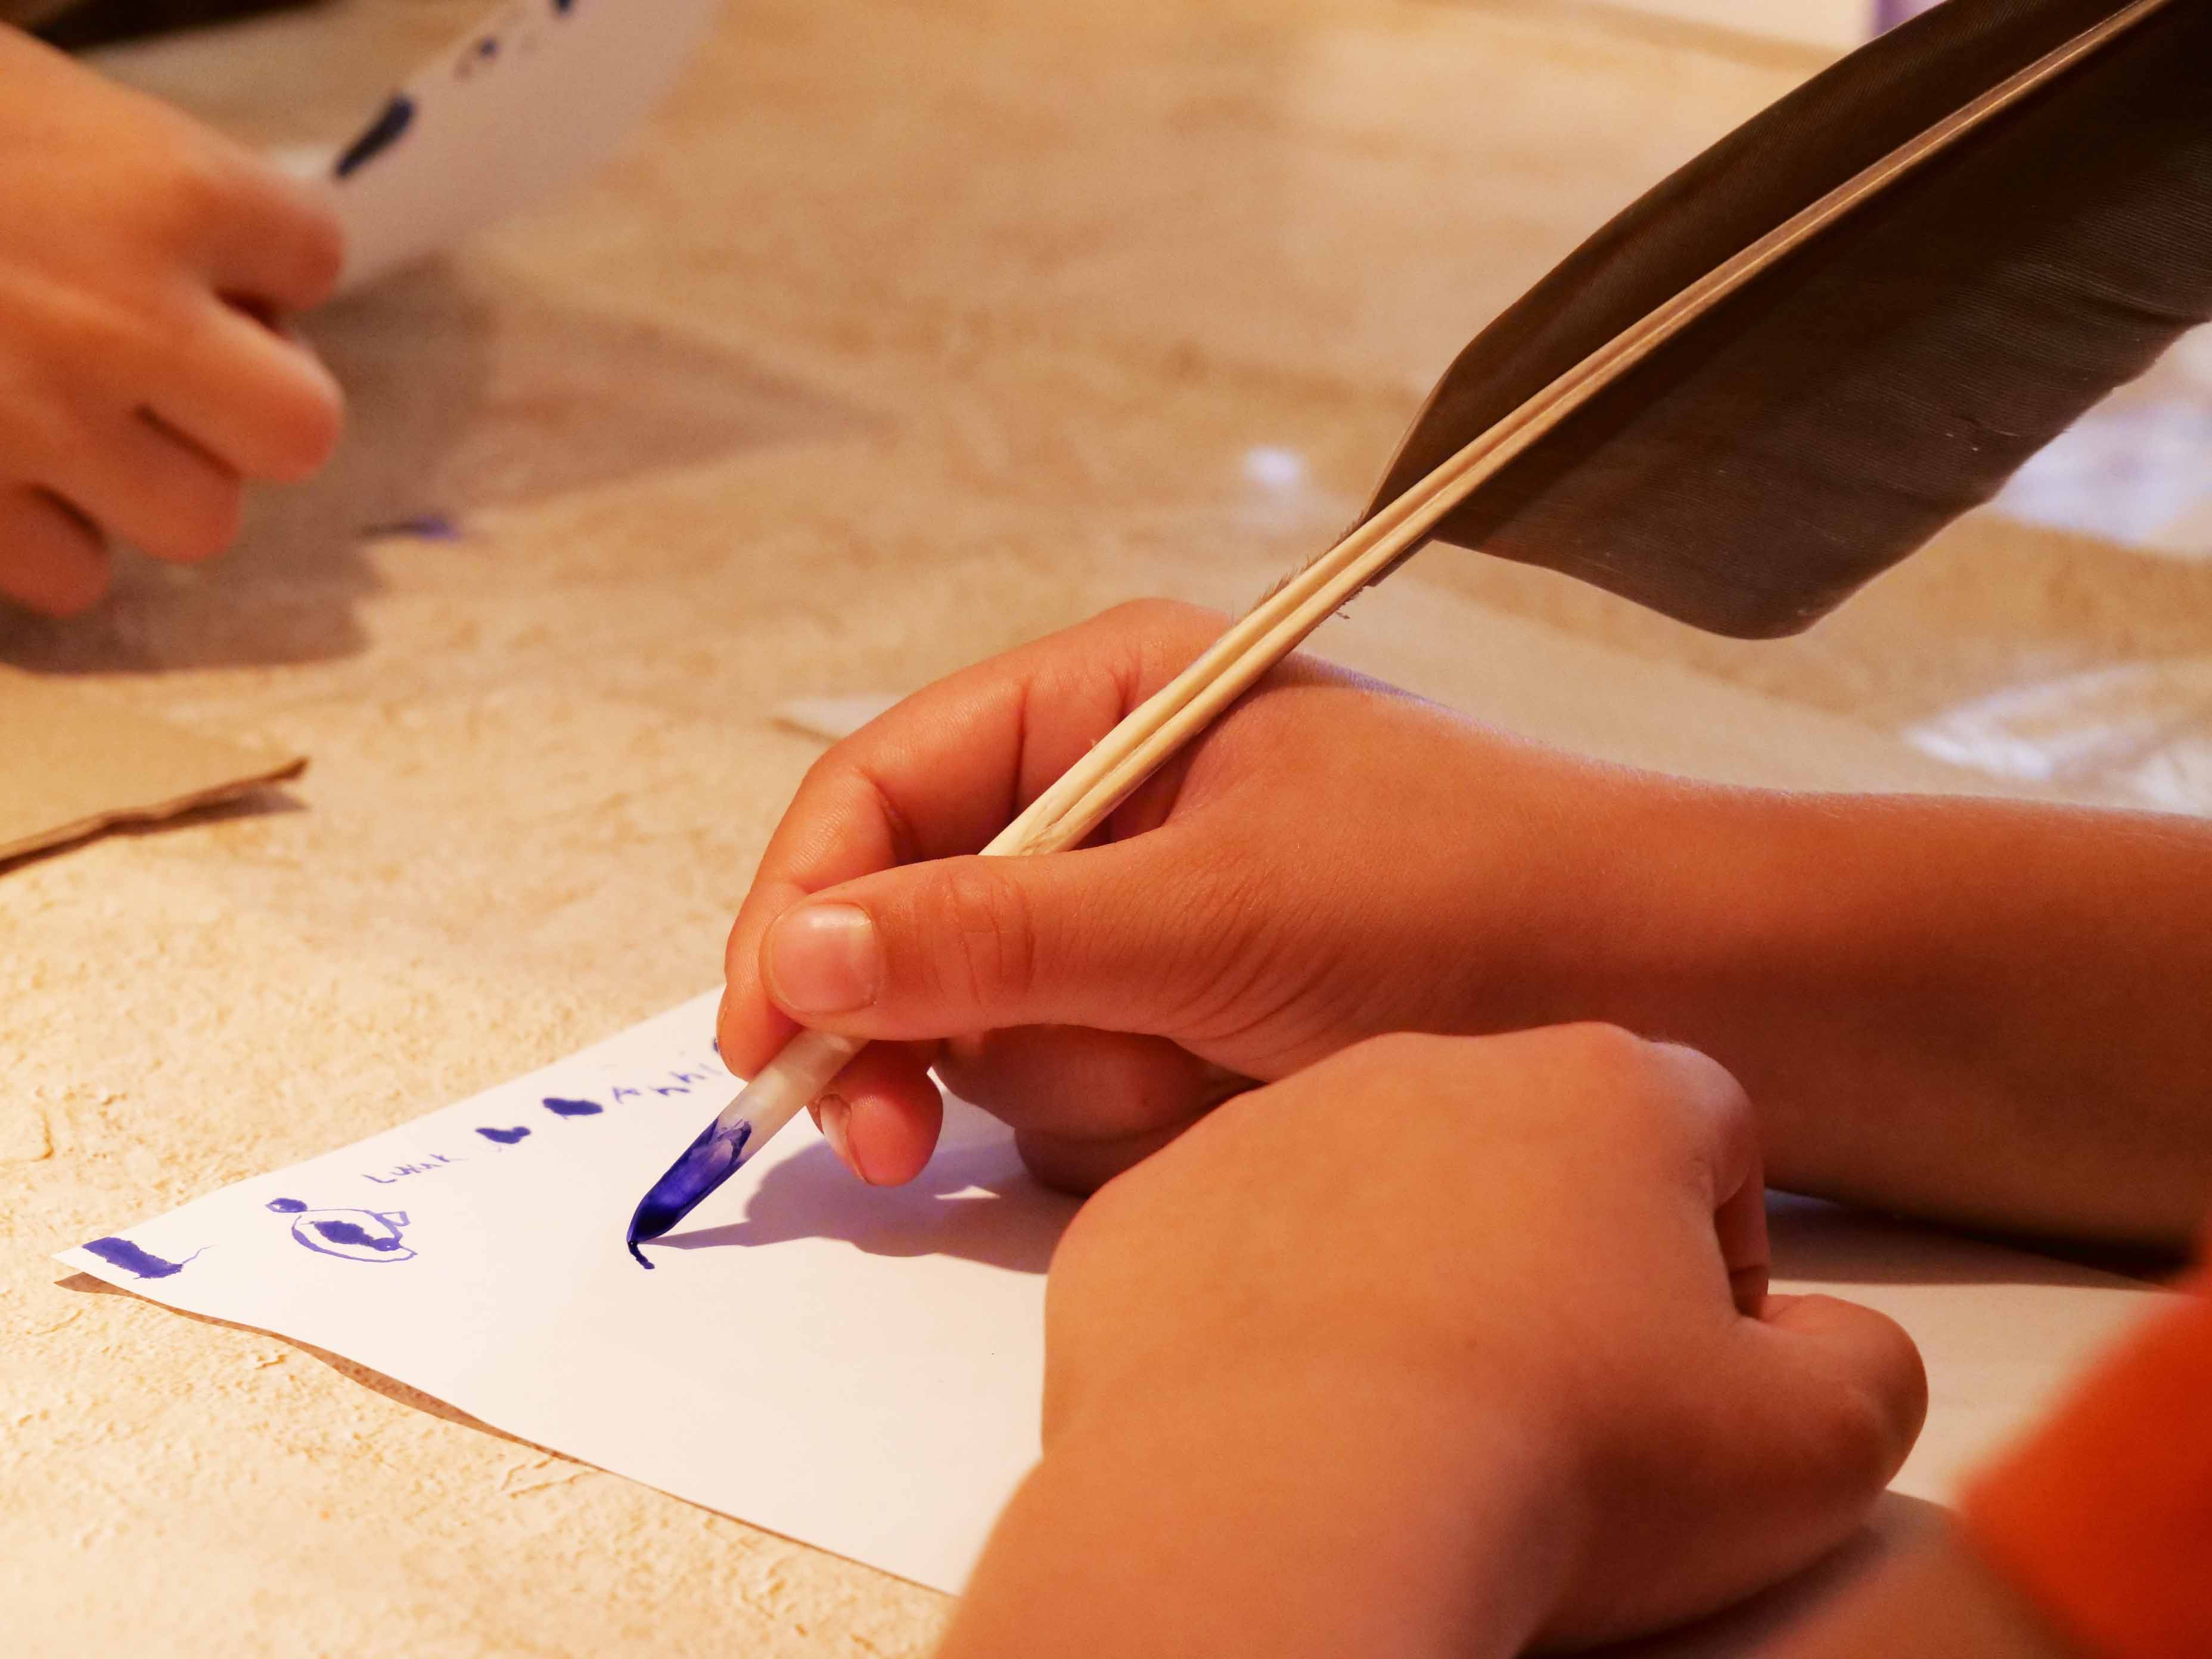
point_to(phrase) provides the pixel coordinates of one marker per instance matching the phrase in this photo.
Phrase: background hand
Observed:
(143, 262)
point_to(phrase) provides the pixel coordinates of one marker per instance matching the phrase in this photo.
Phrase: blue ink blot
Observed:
(122, 1253)
(707, 1162)
(505, 1136)
(561, 1108)
(349, 1232)
(564, 7)
(378, 136)
(488, 46)
(424, 526)
(354, 1235)
(284, 1205)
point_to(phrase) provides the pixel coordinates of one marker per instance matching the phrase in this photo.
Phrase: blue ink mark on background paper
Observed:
(561, 1108)
(424, 526)
(378, 136)
(505, 1136)
(355, 1235)
(122, 1253)
(707, 1162)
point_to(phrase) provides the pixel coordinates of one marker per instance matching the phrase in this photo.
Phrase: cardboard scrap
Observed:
(73, 763)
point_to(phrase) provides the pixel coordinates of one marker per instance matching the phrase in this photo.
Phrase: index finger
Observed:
(942, 772)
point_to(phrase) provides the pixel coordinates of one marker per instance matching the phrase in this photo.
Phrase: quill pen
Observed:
(1767, 380)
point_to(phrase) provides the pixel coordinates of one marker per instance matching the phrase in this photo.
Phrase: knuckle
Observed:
(989, 915)
(83, 330)
(1175, 622)
(1610, 1059)
(194, 195)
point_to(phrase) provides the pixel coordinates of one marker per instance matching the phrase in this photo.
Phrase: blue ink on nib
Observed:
(378, 136)
(505, 1136)
(707, 1162)
(561, 1108)
(122, 1253)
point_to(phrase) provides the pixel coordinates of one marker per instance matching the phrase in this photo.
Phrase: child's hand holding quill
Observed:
(1921, 994)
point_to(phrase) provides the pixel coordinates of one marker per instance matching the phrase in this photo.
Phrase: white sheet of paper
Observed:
(856, 1368)
(524, 105)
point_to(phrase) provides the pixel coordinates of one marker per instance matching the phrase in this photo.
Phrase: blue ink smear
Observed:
(488, 46)
(561, 1108)
(424, 526)
(378, 136)
(284, 1205)
(563, 6)
(707, 1162)
(505, 1136)
(122, 1253)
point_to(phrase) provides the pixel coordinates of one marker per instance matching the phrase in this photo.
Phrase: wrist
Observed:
(1304, 1509)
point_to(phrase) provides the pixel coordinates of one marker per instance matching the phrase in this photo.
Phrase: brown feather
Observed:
(1826, 418)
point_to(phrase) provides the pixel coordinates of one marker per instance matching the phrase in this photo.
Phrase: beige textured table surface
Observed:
(907, 331)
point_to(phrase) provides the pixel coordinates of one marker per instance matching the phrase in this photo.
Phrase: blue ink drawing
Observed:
(505, 1136)
(356, 1235)
(122, 1253)
(379, 135)
(561, 1108)
(707, 1162)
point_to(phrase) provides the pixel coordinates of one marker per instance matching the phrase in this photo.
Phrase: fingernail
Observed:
(825, 959)
(834, 1114)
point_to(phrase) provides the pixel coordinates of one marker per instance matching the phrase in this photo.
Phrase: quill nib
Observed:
(706, 1164)
(780, 1091)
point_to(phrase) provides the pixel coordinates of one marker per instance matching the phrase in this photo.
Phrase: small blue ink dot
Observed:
(561, 1108)
(285, 1205)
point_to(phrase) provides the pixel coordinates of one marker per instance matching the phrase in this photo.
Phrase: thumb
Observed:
(1843, 1400)
(1806, 1423)
(1113, 937)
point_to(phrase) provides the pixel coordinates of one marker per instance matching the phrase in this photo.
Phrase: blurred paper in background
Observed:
(514, 110)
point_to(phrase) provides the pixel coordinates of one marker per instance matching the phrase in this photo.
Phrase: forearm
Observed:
(1276, 1517)
(1989, 1012)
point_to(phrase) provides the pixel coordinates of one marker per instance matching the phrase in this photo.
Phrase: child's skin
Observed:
(1354, 1364)
(1975, 1010)
(1354, 1367)
(143, 260)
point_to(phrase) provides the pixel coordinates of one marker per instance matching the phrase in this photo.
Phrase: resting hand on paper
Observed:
(143, 380)
(1985, 1010)
(1442, 1344)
